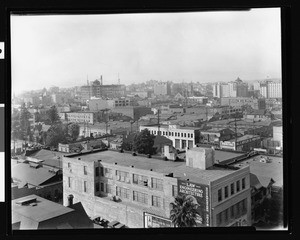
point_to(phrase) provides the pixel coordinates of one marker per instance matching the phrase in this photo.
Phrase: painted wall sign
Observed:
(200, 195)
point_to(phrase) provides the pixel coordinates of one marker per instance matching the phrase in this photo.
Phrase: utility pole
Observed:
(235, 130)
(158, 132)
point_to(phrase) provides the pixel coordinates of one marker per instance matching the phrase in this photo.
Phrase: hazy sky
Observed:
(62, 50)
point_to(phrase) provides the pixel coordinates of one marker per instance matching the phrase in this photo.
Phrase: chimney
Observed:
(70, 200)
(202, 158)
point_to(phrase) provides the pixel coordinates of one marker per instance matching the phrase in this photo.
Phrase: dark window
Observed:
(140, 180)
(226, 192)
(157, 183)
(140, 197)
(85, 170)
(102, 187)
(243, 183)
(232, 211)
(219, 195)
(101, 171)
(122, 192)
(232, 188)
(97, 171)
(238, 186)
(174, 191)
(97, 187)
(84, 186)
(69, 182)
(226, 215)
(219, 218)
(156, 201)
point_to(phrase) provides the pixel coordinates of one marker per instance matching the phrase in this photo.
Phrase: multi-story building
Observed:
(244, 143)
(274, 90)
(98, 90)
(138, 192)
(255, 103)
(270, 89)
(78, 117)
(221, 90)
(182, 137)
(162, 88)
(238, 88)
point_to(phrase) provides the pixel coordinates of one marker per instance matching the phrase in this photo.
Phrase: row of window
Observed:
(233, 212)
(173, 134)
(125, 194)
(233, 189)
(123, 176)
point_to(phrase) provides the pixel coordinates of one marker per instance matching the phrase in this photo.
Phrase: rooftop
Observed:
(44, 209)
(34, 212)
(24, 173)
(179, 169)
(50, 158)
(168, 126)
(242, 138)
(272, 169)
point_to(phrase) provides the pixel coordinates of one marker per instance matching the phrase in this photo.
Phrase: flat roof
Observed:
(179, 169)
(51, 158)
(44, 209)
(167, 126)
(34, 176)
(273, 169)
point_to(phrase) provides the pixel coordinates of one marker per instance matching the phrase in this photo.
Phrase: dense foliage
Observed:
(184, 212)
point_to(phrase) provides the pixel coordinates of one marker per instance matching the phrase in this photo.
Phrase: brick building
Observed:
(137, 191)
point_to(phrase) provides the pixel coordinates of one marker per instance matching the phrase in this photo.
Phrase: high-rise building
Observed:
(162, 88)
(274, 89)
(220, 90)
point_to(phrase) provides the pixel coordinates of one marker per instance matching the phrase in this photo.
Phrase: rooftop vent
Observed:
(99, 160)
(27, 201)
(132, 166)
(188, 179)
(33, 204)
(116, 163)
(79, 158)
(151, 169)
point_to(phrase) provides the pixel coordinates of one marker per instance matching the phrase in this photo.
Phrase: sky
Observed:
(68, 50)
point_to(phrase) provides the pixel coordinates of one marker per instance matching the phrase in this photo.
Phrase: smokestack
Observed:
(101, 80)
(70, 200)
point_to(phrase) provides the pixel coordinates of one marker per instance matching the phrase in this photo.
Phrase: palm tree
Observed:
(184, 212)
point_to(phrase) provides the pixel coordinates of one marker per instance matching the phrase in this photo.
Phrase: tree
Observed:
(73, 131)
(127, 146)
(53, 115)
(24, 123)
(55, 135)
(184, 212)
(143, 142)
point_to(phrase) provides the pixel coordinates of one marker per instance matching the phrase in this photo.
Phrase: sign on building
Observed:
(200, 195)
(153, 221)
(227, 145)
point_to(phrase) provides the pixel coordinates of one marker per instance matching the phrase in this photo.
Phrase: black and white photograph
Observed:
(147, 120)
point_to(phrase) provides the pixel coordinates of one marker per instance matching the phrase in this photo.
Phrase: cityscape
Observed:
(151, 152)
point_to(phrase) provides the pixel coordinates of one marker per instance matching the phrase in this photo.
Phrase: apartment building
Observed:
(78, 117)
(137, 191)
(182, 137)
